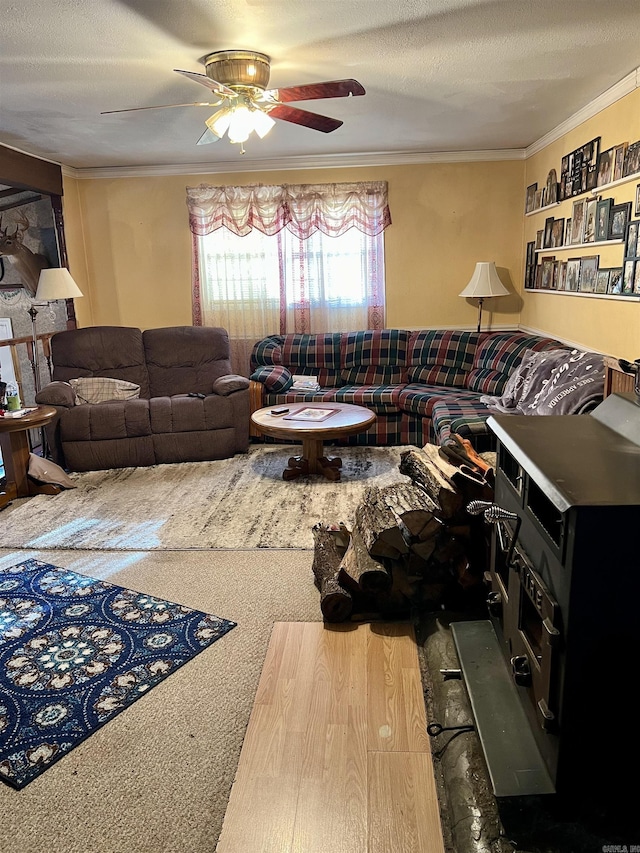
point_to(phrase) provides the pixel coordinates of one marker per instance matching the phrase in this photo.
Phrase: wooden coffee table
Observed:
(345, 420)
(15, 455)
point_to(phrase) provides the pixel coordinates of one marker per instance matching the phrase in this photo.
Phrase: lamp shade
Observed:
(485, 282)
(56, 283)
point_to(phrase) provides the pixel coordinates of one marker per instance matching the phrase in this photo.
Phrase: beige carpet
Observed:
(156, 779)
(232, 503)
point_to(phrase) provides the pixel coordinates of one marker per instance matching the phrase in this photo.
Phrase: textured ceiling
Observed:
(440, 75)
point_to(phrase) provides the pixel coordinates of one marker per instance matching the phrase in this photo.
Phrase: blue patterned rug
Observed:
(74, 653)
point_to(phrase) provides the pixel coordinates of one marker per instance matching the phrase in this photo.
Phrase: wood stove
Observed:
(565, 593)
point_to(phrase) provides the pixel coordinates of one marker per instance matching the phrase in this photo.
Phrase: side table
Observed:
(15, 455)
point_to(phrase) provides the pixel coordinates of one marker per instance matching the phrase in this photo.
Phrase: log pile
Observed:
(413, 544)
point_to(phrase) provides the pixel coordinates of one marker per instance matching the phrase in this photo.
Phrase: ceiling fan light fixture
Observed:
(262, 122)
(219, 122)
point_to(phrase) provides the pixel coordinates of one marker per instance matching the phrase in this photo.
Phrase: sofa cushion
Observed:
(465, 416)
(314, 355)
(379, 398)
(267, 351)
(182, 414)
(98, 389)
(276, 379)
(441, 357)
(420, 399)
(184, 359)
(116, 352)
(497, 356)
(105, 421)
(374, 357)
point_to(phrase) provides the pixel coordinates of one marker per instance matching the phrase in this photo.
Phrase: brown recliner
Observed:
(164, 424)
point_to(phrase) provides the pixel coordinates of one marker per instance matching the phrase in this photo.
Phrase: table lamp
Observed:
(485, 282)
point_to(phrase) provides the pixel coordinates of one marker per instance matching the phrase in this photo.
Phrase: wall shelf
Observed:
(625, 297)
(546, 207)
(629, 179)
(576, 246)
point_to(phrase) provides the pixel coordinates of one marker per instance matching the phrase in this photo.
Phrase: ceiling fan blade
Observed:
(162, 107)
(329, 89)
(207, 138)
(297, 116)
(219, 88)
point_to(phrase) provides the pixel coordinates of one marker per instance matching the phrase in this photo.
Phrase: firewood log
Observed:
(417, 465)
(336, 603)
(382, 531)
(411, 504)
(359, 571)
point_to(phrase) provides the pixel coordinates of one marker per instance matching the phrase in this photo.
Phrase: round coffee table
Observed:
(15, 453)
(302, 423)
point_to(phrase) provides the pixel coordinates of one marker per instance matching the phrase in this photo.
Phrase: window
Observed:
(273, 260)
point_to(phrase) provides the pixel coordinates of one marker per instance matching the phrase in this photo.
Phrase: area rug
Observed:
(75, 651)
(241, 502)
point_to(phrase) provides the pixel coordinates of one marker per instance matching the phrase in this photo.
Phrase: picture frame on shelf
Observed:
(627, 277)
(618, 161)
(589, 235)
(605, 167)
(529, 205)
(602, 280)
(538, 199)
(620, 215)
(573, 274)
(546, 279)
(537, 282)
(551, 187)
(562, 275)
(539, 238)
(588, 273)
(636, 279)
(592, 177)
(603, 212)
(636, 210)
(631, 160)
(548, 233)
(567, 232)
(557, 233)
(615, 281)
(631, 241)
(577, 222)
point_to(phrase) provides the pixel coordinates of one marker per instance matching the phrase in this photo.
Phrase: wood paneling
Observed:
(29, 173)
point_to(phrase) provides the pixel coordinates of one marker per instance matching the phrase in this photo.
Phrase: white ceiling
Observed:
(440, 75)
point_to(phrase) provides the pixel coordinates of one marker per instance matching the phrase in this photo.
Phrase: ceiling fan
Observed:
(240, 79)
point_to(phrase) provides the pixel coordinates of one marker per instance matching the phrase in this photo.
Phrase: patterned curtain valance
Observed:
(301, 208)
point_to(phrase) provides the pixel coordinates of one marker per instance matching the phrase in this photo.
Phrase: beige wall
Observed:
(130, 247)
(606, 325)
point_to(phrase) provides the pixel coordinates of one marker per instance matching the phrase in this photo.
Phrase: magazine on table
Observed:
(314, 415)
(19, 413)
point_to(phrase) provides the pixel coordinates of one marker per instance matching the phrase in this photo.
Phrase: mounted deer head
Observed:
(27, 263)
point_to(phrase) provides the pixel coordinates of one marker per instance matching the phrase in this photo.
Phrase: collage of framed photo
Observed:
(579, 170)
(593, 220)
(631, 268)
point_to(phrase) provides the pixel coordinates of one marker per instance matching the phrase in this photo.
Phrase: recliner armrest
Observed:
(57, 394)
(225, 385)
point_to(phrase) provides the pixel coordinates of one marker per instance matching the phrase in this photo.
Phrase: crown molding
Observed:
(623, 87)
(328, 161)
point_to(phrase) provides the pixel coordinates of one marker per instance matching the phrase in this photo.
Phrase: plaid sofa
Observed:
(423, 385)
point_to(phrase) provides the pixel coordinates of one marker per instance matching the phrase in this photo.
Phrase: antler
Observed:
(22, 225)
